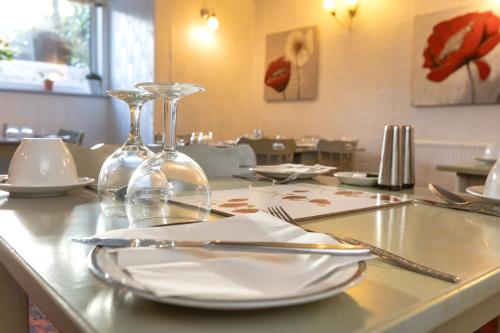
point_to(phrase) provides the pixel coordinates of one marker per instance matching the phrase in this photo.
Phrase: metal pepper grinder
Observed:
(408, 156)
(390, 174)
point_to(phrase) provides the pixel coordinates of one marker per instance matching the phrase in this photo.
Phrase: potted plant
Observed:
(49, 79)
(6, 52)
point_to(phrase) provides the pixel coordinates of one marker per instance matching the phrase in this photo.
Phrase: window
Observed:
(49, 44)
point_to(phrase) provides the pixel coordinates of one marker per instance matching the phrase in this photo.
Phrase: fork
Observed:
(281, 213)
(288, 179)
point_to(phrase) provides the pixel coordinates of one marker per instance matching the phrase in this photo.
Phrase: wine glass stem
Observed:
(169, 113)
(134, 136)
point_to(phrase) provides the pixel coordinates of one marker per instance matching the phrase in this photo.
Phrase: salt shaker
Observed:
(408, 156)
(390, 174)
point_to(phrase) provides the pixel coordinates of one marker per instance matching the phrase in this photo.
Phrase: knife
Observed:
(271, 247)
(474, 209)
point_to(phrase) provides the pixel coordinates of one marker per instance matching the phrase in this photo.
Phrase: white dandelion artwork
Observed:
(291, 65)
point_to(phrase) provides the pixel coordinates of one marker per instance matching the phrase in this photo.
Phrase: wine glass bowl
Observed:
(117, 169)
(170, 187)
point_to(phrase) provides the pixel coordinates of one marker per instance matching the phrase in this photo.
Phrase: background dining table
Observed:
(308, 155)
(38, 260)
(467, 174)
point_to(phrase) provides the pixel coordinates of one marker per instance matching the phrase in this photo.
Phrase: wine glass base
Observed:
(161, 221)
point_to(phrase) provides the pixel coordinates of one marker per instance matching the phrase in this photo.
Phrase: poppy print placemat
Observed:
(301, 201)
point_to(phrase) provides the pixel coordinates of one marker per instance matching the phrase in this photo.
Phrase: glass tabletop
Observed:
(35, 245)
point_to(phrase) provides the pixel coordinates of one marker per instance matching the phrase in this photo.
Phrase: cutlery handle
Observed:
(468, 208)
(299, 248)
(400, 261)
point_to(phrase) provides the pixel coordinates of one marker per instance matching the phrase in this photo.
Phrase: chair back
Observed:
(71, 136)
(215, 161)
(186, 138)
(220, 161)
(88, 161)
(158, 138)
(271, 151)
(105, 149)
(336, 153)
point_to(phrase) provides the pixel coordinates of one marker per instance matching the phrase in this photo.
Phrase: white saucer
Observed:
(41, 190)
(478, 192)
(486, 160)
(349, 179)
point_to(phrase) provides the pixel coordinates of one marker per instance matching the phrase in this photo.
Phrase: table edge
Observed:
(61, 314)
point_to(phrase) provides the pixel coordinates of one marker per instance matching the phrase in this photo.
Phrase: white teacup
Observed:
(492, 151)
(492, 185)
(42, 162)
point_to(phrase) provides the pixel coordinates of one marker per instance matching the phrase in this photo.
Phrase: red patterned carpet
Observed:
(38, 321)
(40, 324)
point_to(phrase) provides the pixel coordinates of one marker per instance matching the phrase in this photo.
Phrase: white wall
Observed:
(365, 78)
(364, 75)
(47, 113)
(186, 52)
(131, 33)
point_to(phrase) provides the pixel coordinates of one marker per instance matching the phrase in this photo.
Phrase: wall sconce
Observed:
(351, 6)
(210, 18)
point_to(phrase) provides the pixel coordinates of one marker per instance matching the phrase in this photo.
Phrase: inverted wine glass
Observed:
(117, 170)
(170, 187)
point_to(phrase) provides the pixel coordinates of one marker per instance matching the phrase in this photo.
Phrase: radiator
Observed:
(430, 153)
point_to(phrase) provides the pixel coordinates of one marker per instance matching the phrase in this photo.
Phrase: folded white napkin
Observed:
(224, 274)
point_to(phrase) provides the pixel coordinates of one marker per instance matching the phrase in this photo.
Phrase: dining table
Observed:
(467, 174)
(308, 154)
(38, 261)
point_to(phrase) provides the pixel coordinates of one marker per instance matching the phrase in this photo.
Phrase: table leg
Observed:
(460, 183)
(13, 304)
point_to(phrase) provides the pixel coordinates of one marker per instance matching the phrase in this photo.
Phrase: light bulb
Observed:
(329, 5)
(212, 23)
(351, 3)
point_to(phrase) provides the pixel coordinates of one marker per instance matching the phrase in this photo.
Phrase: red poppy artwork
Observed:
(278, 74)
(291, 65)
(458, 58)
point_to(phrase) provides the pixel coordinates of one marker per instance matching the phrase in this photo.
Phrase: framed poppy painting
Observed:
(457, 57)
(291, 65)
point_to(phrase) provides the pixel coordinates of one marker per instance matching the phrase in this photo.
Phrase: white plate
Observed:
(348, 179)
(478, 192)
(41, 190)
(486, 160)
(103, 264)
(285, 170)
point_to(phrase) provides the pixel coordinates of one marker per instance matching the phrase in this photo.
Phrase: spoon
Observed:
(449, 197)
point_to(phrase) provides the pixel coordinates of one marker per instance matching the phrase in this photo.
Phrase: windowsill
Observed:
(53, 93)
